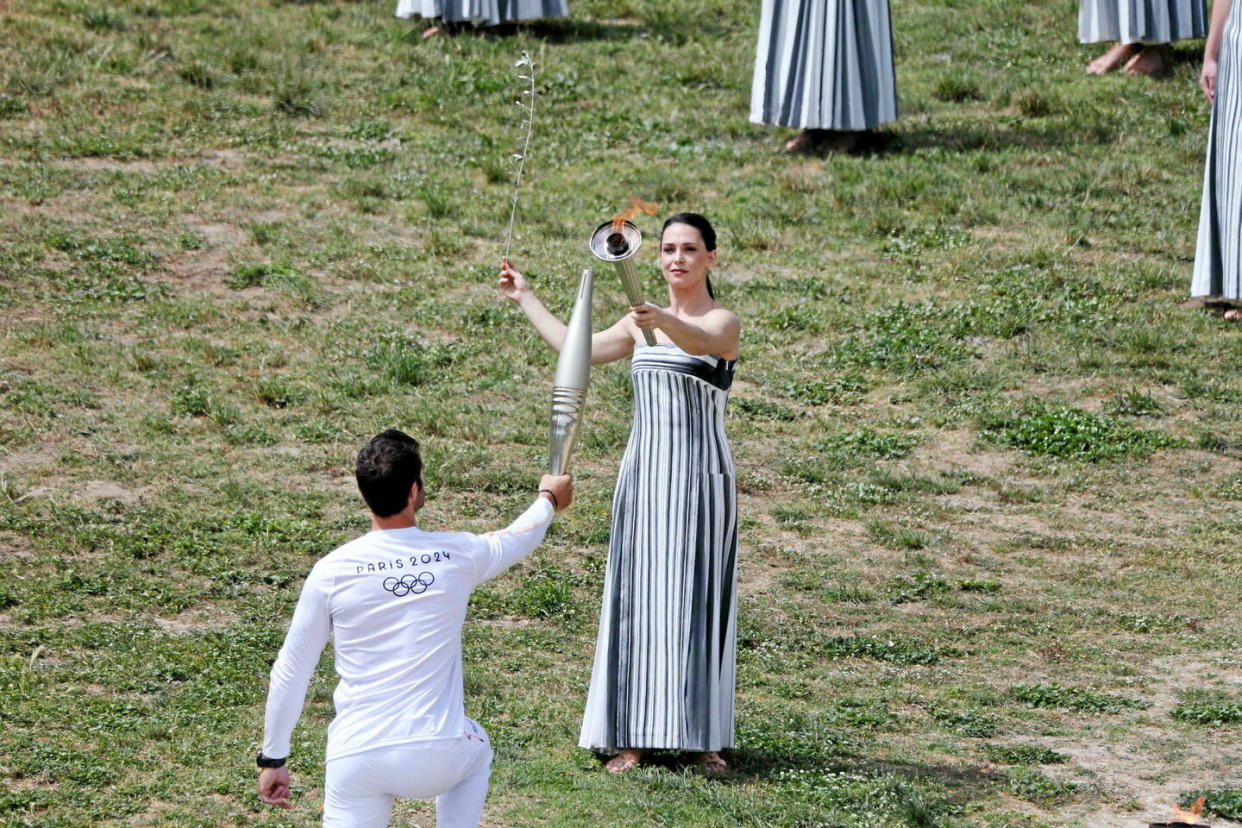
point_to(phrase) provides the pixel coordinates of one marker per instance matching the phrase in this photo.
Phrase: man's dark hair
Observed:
(387, 467)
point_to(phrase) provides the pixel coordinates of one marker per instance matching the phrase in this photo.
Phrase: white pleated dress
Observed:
(1141, 21)
(483, 12)
(1218, 254)
(664, 660)
(824, 64)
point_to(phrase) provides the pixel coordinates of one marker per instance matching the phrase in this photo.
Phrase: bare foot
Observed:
(432, 32)
(805, 141)
(822, 140)
(712, 762)
(624, 761)
(1152, 60)
(1113, 58)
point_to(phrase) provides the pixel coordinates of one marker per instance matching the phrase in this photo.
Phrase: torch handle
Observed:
(633, 290)
(573, 374)
(563, 430)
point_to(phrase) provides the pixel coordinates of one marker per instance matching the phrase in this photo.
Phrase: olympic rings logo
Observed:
(409, 584)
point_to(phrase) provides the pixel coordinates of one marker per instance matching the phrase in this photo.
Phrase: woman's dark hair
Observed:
(387, 467)
(700, 223)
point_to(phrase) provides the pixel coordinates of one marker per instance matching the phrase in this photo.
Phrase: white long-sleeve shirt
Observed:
(395, 602)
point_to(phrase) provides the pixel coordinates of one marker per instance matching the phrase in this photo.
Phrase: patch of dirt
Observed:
(69, 208)
(94, 491)
(1081, 392)
(206, 269)
(111, 165)
(18, 462)
(957, 450)
(220, 235)
(30, 783)
(13, 545)
(1139, 762)
(200, 269)
(1002, 238)
(1094, 256)
(413, 234)
(268, 217)
(192, 621)
(507, 622)
(225, 158)
(222, 158)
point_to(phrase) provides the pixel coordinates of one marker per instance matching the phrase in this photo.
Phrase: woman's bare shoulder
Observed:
(722, 316)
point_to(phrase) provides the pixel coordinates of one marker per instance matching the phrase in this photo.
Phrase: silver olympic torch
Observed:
(573, 373)
(617, 244)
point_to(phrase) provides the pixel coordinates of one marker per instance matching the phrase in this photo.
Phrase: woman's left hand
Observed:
(1207, 79)
(647, 316)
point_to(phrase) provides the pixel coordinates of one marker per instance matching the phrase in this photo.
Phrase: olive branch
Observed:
(524, 62)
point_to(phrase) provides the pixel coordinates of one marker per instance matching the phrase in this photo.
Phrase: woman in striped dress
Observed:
(1218, 256)
(1142, 29)
(663, 676)
(825, 66)
(481, 12)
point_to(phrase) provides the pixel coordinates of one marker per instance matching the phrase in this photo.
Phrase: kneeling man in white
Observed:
(394, 602)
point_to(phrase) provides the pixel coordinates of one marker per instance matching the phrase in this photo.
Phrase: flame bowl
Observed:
(599, 241)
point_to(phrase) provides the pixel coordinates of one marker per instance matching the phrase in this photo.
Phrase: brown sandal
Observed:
(712, 762)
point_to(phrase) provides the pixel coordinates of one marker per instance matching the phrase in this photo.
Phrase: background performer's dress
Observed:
(1141, 21)
(824, 64)
(1218, 257)
(483, 12)
(664, 660)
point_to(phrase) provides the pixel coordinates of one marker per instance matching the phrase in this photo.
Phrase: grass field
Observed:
(990, 462)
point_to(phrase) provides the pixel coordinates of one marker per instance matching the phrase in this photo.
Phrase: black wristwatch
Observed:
(268, 762)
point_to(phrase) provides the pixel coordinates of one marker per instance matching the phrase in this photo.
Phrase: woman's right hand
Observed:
(512, 283)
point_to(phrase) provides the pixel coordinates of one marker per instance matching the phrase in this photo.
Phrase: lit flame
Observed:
(637, 205)
(1192, 815)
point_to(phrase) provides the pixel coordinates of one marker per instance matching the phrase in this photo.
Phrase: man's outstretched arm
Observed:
(523, 536)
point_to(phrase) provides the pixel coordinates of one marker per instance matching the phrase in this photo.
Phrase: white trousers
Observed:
(359, 790)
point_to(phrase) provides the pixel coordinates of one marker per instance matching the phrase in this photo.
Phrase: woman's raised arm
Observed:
(616, 342)
(513, 286)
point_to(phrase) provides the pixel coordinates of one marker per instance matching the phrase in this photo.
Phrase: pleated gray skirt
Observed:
(824, 64)
(663, 675)
(483, 12)
(1218, 254)
(1141, 21)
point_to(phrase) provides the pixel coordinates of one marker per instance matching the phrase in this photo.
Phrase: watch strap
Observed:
(268, 762)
